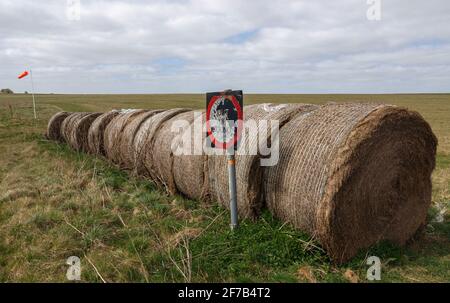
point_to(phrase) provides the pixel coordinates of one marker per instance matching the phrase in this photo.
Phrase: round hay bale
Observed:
(97, 130)
(64, 127)
(54, 126)
(190, 169)
(144, 138)
(165, 141)
(78, 138)
(68, 125)
(112, 135)
(249, 172)
(126, 148)
(352, 175)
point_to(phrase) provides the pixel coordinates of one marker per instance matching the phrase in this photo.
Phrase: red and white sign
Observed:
(224, 118)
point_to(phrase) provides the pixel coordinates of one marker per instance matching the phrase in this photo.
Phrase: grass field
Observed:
(56, 203)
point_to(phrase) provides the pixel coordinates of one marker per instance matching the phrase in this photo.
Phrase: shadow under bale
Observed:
(352, 175)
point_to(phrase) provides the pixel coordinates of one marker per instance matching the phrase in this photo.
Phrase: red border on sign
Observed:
(232, 142)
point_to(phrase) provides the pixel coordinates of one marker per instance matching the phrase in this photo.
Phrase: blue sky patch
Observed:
(241, 37)
(169, 64)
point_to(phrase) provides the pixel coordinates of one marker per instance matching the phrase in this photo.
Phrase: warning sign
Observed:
(224, 118)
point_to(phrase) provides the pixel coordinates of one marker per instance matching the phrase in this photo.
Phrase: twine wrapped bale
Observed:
(65, 126)
(68, 125)
(164, 142)
(97, 130)
(54, 126)
(190, 169)
(352, 175)
(78, 138)
(112, 135)
(144, 133)
(126, 147)
(144, 141)
(249, 173)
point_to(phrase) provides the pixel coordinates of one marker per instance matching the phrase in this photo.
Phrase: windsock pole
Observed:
(32, 93)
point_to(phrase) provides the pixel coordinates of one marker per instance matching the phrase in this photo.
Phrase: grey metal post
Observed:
(232, 189)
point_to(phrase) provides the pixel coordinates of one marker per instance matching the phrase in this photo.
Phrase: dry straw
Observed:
(166, 139)
(126, 148)
(144, 140)
(113, 133)
(68, 125)
(352, 175)
(96, 131)
(54, 126)
(78, 138)
(190, 169)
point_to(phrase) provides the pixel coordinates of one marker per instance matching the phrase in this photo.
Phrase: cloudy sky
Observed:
(287, 46)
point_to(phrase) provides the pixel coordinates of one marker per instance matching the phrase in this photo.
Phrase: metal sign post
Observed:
(232, 190)
(224, 121)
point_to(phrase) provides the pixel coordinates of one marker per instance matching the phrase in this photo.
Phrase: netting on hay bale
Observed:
(112, 135)
(144, 141)
(249, 172)
(190, 169)
(352, 175)
(64, 132)
(54, 126)
(96, 132)
(165, 140)
(68, 125)
(126, 148)
(78, 138)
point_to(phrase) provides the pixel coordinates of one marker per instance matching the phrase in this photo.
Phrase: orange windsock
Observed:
(24, 74)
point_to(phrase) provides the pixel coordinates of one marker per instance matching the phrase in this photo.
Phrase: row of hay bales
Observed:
(350, 175)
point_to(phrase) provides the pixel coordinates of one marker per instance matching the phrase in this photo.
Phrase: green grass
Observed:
(55, 203)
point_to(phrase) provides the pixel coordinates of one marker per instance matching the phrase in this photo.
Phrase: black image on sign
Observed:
(224, 118)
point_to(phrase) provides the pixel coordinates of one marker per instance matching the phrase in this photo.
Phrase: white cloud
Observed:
(283, 46)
